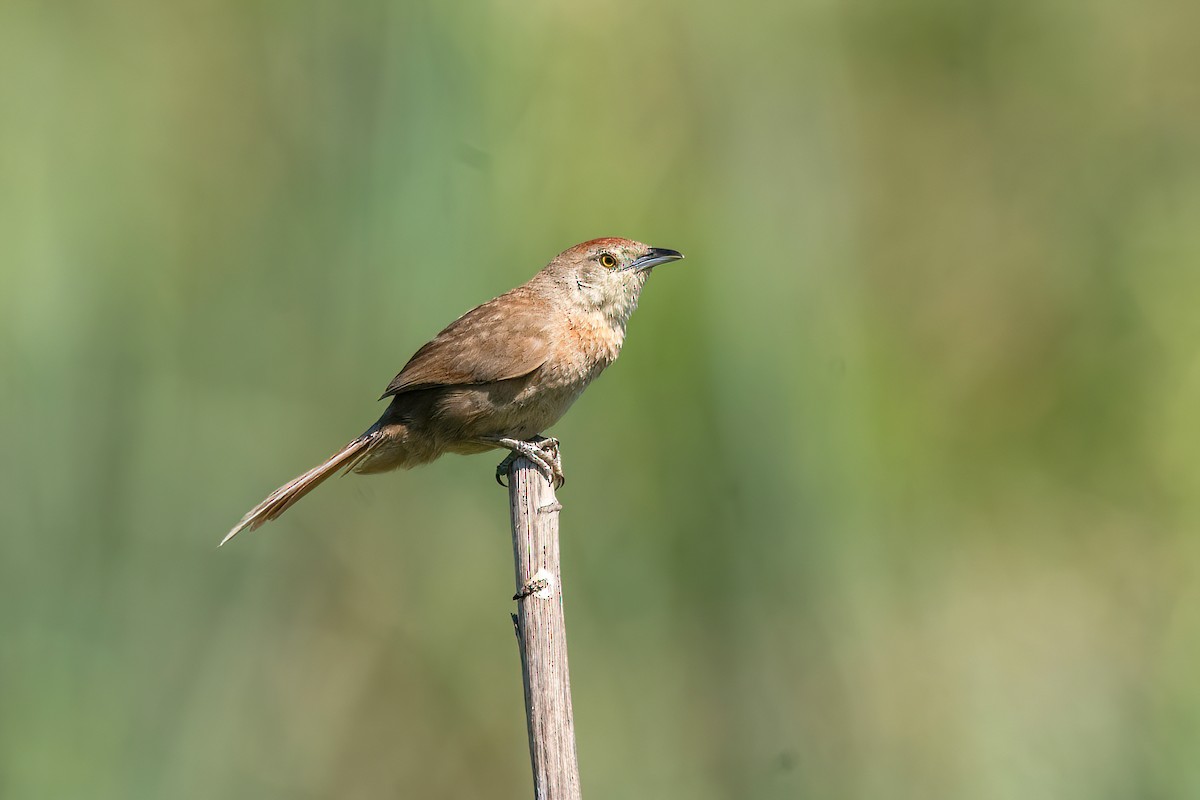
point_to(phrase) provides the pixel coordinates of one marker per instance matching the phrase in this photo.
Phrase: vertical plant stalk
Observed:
(542, 633)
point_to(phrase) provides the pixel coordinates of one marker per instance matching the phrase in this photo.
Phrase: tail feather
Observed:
(285, 496)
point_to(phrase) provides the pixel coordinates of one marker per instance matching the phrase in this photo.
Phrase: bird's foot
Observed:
(542, 451)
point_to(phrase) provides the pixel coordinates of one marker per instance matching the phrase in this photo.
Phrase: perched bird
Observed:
(500, 374)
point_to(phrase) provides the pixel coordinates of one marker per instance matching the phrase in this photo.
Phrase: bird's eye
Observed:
(607, 261)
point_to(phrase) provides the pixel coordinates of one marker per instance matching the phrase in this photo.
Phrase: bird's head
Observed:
(608, 274)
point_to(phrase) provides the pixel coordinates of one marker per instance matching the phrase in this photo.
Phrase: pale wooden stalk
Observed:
(542, 633)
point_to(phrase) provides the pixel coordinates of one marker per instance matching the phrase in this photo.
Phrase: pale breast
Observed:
(592, 342)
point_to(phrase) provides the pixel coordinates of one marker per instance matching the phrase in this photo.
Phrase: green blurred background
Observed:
(893, 493)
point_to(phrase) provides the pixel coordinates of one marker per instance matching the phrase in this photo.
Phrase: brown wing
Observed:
(504, 338)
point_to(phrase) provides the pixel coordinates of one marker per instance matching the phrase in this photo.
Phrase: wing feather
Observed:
(505, 338)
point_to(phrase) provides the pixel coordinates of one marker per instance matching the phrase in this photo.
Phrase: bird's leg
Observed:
(552, 453)
(542, 451)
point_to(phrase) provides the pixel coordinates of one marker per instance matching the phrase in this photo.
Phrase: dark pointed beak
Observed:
(656, 256)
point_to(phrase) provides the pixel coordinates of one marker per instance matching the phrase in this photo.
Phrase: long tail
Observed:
(282, 498)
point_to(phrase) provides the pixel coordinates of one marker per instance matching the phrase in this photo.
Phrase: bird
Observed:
(499, 375)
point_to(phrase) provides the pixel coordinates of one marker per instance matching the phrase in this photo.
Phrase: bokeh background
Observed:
(893, 494)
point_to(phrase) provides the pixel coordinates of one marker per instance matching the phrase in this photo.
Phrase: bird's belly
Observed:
(536, 409)
(522, 408)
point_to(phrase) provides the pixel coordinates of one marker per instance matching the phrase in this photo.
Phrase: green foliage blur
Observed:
(893, 494)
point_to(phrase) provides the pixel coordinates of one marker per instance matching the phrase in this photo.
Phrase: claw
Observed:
(543, 452)
(503, 467)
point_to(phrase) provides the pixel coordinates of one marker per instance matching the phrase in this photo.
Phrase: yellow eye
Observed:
(607, 261)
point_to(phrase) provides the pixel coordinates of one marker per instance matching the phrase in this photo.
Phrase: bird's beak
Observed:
(656, 256)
